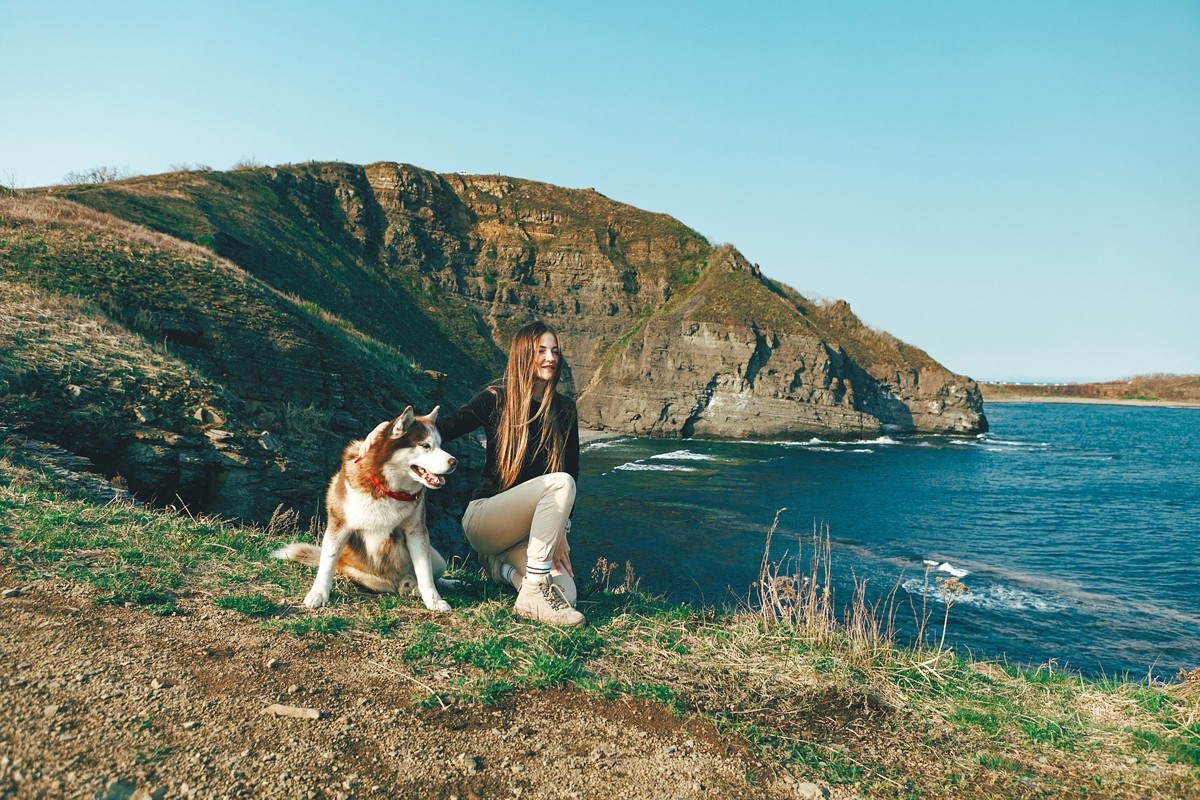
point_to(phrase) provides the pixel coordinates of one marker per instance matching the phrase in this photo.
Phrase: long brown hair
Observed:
(513, 433)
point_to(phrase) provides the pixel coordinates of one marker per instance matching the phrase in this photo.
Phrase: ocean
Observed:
(1074, 527)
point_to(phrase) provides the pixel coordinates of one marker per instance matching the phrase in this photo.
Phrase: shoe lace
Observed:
(555, 597)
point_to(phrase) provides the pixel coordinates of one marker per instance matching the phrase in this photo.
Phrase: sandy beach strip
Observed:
(1093, 401)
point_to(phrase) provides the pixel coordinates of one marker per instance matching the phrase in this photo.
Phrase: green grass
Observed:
(251, 605)
(805, 699)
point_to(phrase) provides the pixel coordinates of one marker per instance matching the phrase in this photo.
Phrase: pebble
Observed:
(292, 711)
(472, 763)
(50, 711)
(157, 684)
(11, 593)
(272, 663)
(293, 689)
(809, 791)
(187, 726)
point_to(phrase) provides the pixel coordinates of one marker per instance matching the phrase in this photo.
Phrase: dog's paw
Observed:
(316, 598)
(437, 604)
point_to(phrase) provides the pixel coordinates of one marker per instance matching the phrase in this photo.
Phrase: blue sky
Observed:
(1014, 187)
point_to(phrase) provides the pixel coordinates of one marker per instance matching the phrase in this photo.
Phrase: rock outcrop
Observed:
(667, 335)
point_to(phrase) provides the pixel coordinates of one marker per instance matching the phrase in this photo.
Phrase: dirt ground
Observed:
(112, 702)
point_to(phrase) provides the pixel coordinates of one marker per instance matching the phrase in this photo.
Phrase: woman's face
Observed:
(545, 362)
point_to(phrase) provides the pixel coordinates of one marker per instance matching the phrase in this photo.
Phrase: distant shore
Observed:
(1091, 401)
(1163, 391)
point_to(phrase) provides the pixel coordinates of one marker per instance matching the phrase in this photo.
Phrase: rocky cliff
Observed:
(667, 335)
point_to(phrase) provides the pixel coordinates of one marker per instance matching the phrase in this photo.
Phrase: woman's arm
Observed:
(474, 415)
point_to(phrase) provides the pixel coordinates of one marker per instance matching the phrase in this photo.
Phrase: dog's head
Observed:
(409, 447)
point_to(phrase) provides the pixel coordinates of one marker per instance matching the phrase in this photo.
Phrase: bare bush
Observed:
(97, 175)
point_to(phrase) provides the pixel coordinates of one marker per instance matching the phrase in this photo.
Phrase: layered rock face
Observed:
(666, 335)
(642, 302)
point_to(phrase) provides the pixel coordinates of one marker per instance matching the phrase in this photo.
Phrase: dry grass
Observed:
(18, 209)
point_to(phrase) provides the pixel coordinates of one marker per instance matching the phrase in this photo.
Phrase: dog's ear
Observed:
(432, 415)
(374, 438)
(402, 423)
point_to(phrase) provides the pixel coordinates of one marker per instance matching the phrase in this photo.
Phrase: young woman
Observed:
(520, 514)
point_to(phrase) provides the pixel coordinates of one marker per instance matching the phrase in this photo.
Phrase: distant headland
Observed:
(1179, 391)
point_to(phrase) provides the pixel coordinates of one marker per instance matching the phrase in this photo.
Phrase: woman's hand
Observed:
(562, 555)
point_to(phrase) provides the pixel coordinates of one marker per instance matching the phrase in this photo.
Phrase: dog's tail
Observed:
(308, 554)
(349, 565)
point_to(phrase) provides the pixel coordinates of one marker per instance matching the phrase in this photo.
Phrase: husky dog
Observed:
(376, 535)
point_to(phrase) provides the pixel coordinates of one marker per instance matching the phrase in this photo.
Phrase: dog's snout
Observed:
(452, 461)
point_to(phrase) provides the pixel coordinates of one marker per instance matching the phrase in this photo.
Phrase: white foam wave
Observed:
(840, 450)
(997, 597)
(1012, 442)
(640, 466)
(880, 440)
(604, 443)
(684, 455)
(949, 568)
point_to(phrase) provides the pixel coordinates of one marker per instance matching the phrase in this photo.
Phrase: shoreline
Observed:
(587, 435)
(1092, 401)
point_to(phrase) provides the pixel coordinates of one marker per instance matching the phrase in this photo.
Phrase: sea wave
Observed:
(947, 567)
(994, 597)
(601, 444)
(684, 455)
(641, 466)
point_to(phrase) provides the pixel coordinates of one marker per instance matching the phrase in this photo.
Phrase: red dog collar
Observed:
(403, 497)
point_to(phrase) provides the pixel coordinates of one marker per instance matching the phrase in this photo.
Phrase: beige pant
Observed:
(526, 522)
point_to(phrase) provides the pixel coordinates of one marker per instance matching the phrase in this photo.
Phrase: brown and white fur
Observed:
(375, 540)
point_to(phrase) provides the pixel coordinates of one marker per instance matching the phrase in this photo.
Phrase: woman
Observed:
(519, 516)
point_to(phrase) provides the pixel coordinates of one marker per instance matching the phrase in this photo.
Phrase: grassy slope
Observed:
(841, 705)
(295, 237)
(141, 321)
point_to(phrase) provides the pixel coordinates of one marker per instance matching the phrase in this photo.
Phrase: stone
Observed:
(278, 710)
(191, 725)
(272, 663)
(50, 711)
(267, 441)
(11, 593)
(810, 791)
(144, 415)
(208, 416)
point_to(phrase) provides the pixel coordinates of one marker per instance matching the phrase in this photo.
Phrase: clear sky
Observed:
(1012, 186)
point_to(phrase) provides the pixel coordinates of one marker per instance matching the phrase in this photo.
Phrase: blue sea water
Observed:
(1073, 526)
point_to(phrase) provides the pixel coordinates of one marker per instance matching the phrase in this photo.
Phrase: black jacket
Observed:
(483, 411)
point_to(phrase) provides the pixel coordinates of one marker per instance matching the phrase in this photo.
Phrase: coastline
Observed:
(1092, 401)
(588, 435)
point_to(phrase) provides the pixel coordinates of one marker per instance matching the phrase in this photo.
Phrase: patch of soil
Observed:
(112, 702)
